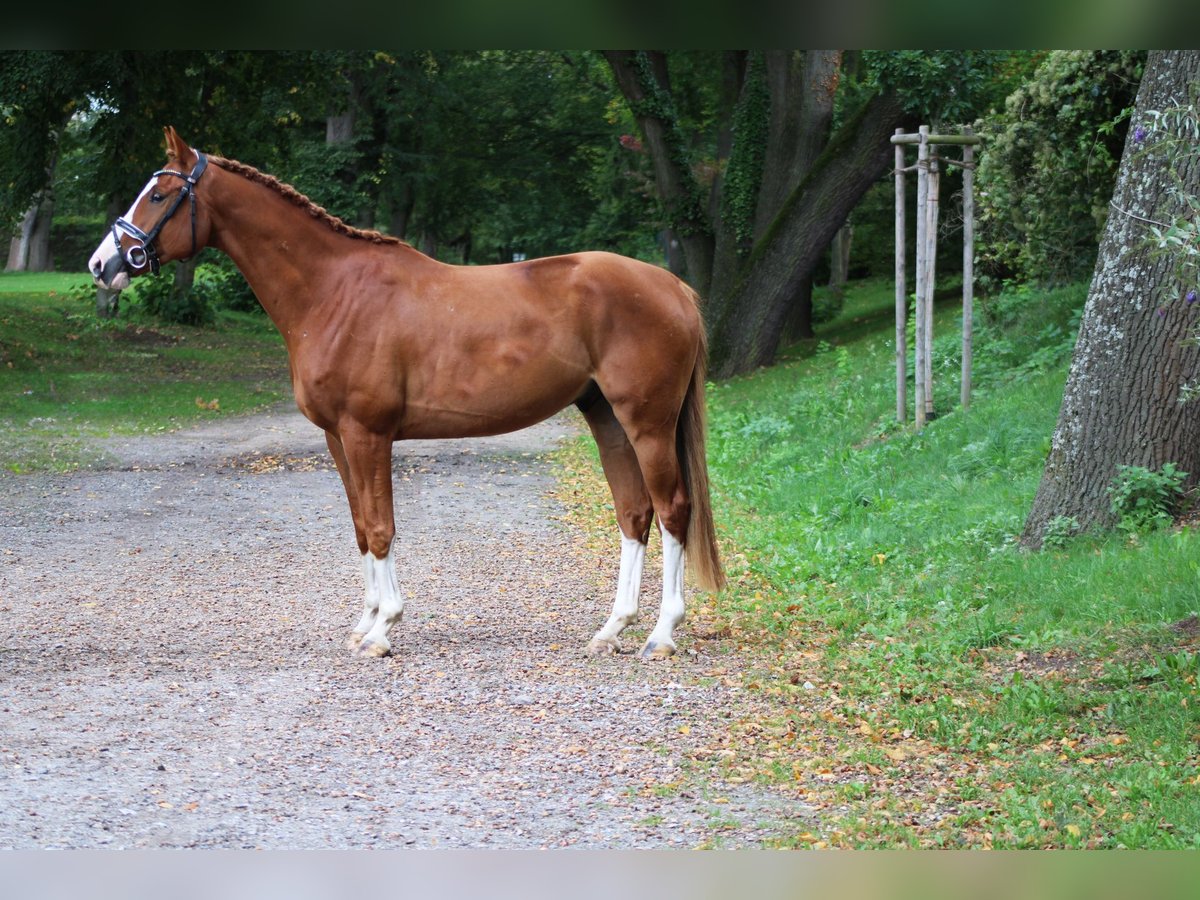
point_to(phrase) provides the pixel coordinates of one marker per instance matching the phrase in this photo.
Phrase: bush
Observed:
(1049, 166)
(1144, 500)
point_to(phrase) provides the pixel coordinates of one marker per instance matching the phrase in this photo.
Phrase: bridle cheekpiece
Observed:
(144, 252)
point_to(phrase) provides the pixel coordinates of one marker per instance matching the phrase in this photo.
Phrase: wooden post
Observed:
(928, 201)
(931, 230)
(922, 251)
(968, 267)
(901, 292)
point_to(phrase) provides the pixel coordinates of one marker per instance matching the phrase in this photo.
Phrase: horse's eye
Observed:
(156, 197)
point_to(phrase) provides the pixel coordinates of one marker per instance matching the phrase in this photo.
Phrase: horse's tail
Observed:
(703, 558)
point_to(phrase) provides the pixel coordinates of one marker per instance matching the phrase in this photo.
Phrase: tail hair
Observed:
(703, 557)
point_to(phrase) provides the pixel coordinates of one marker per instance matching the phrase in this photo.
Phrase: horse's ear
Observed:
(177, 148)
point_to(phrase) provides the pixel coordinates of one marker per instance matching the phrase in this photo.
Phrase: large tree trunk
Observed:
(747, 322)
(1122, 403)
(18, 248)
(30, 249)
(788, 185)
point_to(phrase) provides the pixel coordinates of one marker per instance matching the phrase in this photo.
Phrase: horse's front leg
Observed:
(366, 466)
(370, 589)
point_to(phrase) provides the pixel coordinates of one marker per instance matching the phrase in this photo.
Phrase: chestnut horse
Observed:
(385, 343)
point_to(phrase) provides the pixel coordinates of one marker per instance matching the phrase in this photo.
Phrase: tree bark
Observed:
(18, 248)
(754, 266)
(839, 257)
(1121, 405)
(747, 323)
(29, 250)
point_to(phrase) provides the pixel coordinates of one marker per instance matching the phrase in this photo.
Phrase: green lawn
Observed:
(68, 378)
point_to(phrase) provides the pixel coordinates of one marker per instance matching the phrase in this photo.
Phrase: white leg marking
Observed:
(391, 604)
(661, 642)
(370, 601)
(625, 607)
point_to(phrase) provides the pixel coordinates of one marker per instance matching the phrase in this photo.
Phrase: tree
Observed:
(1136, 356)
(39, 92)
(756, 207)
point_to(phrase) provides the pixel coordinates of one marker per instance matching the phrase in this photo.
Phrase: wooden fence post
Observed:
(968, 268)
(922, 261)
(931, 232)
(901, 292)
(928, 169)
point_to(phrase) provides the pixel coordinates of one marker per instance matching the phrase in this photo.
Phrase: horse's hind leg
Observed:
(650, 427)
(634, 515)
(664, 479)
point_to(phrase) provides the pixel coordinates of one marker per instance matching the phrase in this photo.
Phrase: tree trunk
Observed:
(839, 257)
(185, 277)
(1121, 405)
(748, 322)
(40, 257)
(788, 186)
(400, 210)
(18, 248)
(29, 251)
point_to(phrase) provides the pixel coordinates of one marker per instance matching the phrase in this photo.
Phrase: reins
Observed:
(144, 252)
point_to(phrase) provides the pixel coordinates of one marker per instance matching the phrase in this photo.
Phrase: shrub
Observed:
(1144, 500)
(1050, 164)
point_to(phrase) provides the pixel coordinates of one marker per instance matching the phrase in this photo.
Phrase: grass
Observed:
(68, 379)
(926, 682)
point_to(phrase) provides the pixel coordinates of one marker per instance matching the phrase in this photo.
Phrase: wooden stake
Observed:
(931, 230)
(922, 260)
(901, 292)
(968, 267)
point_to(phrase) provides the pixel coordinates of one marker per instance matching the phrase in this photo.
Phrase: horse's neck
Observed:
(276, 245)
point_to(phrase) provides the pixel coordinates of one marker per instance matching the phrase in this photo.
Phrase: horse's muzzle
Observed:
(109, 270)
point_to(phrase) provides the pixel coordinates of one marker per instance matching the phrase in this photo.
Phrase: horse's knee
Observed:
(379, 540)
(636, 523)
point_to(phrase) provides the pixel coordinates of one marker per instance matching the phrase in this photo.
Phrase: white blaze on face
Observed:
(104, 260)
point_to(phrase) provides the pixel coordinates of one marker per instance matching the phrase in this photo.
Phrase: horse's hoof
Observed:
(603, 647)
(373, 650)
(655, 650)
(354, 641)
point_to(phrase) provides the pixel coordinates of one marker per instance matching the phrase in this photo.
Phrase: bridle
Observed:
(144, 252)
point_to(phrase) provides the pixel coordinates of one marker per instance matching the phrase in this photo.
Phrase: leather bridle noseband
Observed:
(144, 252)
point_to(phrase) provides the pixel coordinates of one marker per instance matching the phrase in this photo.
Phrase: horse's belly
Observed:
(497, 411)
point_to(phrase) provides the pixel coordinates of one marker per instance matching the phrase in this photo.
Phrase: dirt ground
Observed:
(172, 671)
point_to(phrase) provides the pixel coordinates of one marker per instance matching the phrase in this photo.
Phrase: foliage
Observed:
(217, 284)
(1023, 331)
(1175, 132)
(1144, 500)
(1059, 531)
(947, 87)
(743, 173)
(1049, 166)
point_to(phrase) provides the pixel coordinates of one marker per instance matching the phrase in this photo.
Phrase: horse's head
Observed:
(163, 223)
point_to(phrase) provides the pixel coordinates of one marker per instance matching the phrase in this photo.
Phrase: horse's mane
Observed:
(294, 196)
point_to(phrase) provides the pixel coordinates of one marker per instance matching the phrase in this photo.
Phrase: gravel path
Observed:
(172, 671)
